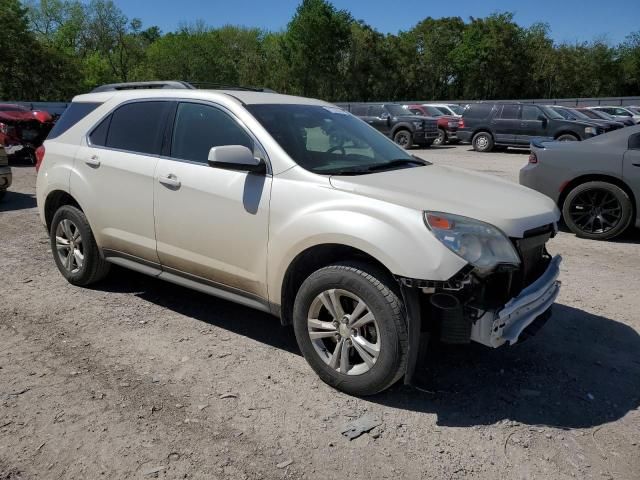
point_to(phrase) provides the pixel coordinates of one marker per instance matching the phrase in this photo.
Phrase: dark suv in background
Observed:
(398, 123)
(487, 125)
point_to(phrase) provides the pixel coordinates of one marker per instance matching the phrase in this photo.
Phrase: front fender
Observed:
(396, 236)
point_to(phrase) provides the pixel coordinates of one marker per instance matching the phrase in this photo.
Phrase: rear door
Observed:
(533, 124)
(116, 169)
(631, 167)
(506, 123)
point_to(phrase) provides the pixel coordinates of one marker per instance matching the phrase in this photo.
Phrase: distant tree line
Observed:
(54, 49)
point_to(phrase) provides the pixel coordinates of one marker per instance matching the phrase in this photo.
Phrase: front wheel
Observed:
(403, 138)
(567, 137)
(350, 326)
(597, 210)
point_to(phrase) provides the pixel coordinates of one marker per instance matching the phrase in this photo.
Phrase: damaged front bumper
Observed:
(497, 327)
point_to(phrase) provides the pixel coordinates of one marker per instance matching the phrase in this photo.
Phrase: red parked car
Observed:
(23, 130)
(447, 124)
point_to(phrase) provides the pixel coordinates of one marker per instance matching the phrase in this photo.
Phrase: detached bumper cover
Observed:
(495, 328)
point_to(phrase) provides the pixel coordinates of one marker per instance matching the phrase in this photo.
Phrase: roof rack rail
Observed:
(112, 87)
(223, 86)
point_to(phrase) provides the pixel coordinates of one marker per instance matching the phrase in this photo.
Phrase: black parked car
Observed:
(486, 125)
(573, 114)
(627, 122)
(398, 123)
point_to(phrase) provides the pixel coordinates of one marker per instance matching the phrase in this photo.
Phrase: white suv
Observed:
(295, 207)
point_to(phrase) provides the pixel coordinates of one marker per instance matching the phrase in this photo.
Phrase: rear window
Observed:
(72, 115)
(478, 110)
(359, 110)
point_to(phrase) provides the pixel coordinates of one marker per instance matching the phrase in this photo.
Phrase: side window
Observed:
(415, 111)
(376, 110)
(622, 112)
(198, 128)
(530, 112)
(634, 142)
(99, 135)
(137, 127)
(359, 110)
(510, 112)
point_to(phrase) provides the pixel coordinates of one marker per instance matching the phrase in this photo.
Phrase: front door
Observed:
(211, 223)
(378, 118)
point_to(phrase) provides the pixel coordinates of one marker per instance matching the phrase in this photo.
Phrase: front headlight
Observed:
(418, 124)
(591, 130)
(479, 243)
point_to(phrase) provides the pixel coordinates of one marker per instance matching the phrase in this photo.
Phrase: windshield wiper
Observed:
(401, 162)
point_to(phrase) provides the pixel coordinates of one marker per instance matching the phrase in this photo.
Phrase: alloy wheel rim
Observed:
(344, 332)
(482, 142)
(69, 246)
(439, 139)
(595, 211)
(403, 139)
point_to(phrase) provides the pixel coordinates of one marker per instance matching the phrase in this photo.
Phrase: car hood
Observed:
(17, 117)
(512, 208)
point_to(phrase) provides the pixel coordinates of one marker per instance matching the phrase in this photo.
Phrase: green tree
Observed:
(316, 40)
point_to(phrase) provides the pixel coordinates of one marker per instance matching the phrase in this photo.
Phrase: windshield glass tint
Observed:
(397, 110)
(327, 140)
(457, 109)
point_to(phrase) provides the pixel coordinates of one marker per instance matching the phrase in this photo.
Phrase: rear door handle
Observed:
(170, 181)
(93, 161)
(636, 164)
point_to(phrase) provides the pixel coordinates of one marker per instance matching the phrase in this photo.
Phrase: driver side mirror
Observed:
(236, 157)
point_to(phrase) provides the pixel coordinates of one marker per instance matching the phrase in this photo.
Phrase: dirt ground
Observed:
(137, 378)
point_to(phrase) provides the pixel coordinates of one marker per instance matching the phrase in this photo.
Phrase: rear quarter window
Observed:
(72, 115)
(478, 110)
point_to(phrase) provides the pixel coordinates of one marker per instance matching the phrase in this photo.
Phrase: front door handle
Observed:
(93, 161)
(170, 181)
(636, 164)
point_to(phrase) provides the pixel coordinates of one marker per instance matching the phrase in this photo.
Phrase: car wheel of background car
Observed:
(441, 138)
(403, 138)
(2, 194)
(74, 248)
(482, 142)
(597, 210)
(350, 326)
(567, 137)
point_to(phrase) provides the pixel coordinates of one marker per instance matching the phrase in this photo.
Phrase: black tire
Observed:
(94, 268)
(482, 142)
(403, 138)
(567, 137)
(377, 291)
(441, 139)
(597, 210)
(2, 194)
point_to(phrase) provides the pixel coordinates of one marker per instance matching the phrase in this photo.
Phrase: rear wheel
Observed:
(482, 142)
(597, 210)
(2, 194)
(441, 138)
(403, 138)
(74, 248)
(350, 327)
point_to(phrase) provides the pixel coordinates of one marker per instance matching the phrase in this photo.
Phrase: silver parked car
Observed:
(596, 183)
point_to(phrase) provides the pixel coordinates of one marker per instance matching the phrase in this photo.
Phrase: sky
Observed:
(570, 20)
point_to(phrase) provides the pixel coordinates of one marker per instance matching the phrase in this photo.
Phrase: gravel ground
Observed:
(137, 378)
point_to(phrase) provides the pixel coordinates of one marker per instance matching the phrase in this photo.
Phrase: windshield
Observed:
(330, 141)
(397, 110)
(634, 110)
(457, 109)
(578, 114)
(13, 108)
(551, 113)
